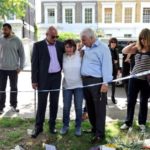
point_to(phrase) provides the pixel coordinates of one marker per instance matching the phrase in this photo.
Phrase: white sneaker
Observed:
(124, 127)
(14, 109)
(142, 127)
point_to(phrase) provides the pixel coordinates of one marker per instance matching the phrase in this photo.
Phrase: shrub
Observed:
(67, 35)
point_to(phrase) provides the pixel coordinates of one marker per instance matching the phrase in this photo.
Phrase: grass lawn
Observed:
(14, 132)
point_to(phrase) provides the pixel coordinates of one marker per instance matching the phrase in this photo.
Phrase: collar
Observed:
(95, 44)
(48, 44)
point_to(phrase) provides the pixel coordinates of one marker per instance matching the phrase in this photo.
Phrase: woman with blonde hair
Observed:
(139, 84)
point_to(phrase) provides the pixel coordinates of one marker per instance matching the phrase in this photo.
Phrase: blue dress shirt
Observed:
(97, 62)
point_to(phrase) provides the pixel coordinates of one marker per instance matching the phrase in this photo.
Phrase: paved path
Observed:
(26, 102)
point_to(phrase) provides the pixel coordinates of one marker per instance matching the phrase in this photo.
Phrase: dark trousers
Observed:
(113, 86)
(136, 86)
(96, 106)
(13, 78)
(113, 89)
(125, 83)
(85, 108)
(53, 82)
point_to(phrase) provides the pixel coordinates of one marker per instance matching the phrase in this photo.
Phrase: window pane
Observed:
(11, 17)
(51, 15)
(146, 15)
(108, 15)
(127, 35)
(128, 15)
(68, 16)
(88, 15)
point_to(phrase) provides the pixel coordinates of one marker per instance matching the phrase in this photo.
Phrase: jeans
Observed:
(67, 101)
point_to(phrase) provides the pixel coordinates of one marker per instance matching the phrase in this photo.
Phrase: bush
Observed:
(67, 35)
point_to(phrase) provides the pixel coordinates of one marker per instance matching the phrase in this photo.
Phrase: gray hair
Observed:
(88, 32)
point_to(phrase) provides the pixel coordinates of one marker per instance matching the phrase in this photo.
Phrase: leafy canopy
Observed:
(16, 7)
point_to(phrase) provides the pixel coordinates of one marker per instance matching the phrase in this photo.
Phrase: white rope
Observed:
(90, 85)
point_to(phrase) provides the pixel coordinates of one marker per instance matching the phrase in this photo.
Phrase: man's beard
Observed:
(6, 35)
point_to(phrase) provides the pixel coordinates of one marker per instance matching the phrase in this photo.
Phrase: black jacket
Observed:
(41, 59)
(114, 56)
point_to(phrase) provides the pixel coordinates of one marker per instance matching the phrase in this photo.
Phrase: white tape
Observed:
(116, 80)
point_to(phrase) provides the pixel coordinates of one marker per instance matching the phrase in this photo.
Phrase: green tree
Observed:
(16, 7)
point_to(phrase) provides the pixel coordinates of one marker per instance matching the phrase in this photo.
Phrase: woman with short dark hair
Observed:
(72, 86)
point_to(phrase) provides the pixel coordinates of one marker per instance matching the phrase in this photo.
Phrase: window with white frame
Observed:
(50, 16)
(128, 15)
(69, 15)
(88, 15)
(108, 12)
(146, 15)
(108, 35)
(128, 12)
(108, 15)
(127, 35)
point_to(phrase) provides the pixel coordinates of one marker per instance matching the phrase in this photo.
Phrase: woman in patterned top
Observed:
(139, 84)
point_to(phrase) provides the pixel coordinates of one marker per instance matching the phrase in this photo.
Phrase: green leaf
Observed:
(16, 7)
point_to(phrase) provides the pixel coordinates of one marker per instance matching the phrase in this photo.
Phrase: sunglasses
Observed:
(141, 38)
(55, 37)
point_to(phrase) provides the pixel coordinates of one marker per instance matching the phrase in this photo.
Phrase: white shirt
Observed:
(72, 71)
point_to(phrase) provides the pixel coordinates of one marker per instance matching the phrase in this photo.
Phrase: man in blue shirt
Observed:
(96, 68)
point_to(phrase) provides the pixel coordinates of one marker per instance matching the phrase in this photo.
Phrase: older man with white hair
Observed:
(96, 68)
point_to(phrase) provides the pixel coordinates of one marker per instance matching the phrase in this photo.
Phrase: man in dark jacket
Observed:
(46, 75)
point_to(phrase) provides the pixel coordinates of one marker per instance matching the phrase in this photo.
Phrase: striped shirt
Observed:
(142, 63)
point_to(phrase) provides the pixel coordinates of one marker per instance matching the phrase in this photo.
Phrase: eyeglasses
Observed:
(55, 37)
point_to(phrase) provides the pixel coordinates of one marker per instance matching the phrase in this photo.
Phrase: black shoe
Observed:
(96, 139)
(113, 100)
(36, 132)
(53, 131)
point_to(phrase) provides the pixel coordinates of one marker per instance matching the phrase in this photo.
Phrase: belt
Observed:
(54, 73)
(87, 77)
(91, 77)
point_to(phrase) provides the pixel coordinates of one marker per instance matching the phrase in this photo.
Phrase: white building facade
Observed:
(66, 15)
(118, 18)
